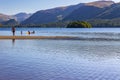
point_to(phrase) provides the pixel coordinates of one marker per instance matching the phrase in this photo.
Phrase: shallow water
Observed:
(59, 60)
(112, 33)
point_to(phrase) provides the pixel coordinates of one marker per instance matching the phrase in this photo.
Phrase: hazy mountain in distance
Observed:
(10, 22)
(4, 17)
(21, 16)
(18, 17)
(51, 15)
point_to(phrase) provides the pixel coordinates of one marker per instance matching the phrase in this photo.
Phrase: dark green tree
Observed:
(79, 24)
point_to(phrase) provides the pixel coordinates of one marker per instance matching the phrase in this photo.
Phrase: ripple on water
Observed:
(59, 60)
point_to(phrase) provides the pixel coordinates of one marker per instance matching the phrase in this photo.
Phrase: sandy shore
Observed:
(59, 38)
(37, 37)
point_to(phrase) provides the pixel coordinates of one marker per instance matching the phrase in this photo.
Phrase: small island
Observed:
(79, 24)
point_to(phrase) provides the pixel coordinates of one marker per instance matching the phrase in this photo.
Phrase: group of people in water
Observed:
(28, 32)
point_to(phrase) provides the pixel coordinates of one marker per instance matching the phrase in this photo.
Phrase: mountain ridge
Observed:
(18, 17)
(81, 11)
(22, 16)
(103, 9)
(51, 15)
(90, 11)
(101, 3)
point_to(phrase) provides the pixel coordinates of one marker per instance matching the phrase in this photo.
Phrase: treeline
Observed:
(95, 23)
(105, 23)
(46, 25)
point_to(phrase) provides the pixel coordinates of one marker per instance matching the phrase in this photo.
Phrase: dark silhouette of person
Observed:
(13, 31)
(21, 32)
(28, 32)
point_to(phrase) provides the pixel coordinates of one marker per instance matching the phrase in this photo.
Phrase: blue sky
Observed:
(31, 6)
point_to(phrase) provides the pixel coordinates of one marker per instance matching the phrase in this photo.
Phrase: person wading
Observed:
(13, 31)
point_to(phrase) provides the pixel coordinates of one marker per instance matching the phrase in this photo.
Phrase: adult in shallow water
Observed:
(13, 30)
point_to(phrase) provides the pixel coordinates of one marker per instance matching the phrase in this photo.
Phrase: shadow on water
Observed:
(13, 42)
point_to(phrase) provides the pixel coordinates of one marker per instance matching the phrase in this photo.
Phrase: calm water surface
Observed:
(61, 59)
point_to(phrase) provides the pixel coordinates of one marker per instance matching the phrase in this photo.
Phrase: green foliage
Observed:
(79, 24)
(46, 25)
(96, 23)
(0, 25)
(106, 23)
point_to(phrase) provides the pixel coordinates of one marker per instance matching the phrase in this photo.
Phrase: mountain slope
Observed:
(10, 22)
(51, 15)
(111, 12)
(85, 12)
(4, 17)
(90, 10)
(100, 4)
(18, 17)
(21, 16)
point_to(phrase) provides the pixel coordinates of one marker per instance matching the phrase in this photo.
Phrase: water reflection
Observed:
(13, 42)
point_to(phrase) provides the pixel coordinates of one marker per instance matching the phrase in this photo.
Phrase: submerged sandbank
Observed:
(61, 38)
(37, 37)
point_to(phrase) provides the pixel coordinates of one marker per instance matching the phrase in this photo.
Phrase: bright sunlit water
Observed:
(61, 59)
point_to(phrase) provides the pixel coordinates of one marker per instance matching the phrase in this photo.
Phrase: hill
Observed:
(80, 11)
(100, 4)
(4, 17)
(111, 13)
(98, 13)
(21, 16)
(11, 22)
(18, 17)
(91, 10)
(51, 15)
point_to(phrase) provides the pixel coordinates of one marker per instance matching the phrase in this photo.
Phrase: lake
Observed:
(61, 59)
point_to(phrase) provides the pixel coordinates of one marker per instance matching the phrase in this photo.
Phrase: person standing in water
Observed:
(13, 31)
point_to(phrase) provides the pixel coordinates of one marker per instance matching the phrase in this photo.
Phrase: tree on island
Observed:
(79, 24)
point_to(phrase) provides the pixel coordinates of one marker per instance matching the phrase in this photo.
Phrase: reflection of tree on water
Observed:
(13, 42)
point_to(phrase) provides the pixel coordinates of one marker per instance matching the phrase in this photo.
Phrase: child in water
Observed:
(21, 32)
(28, 32)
